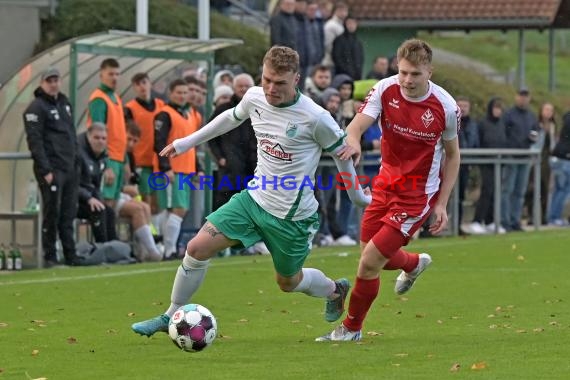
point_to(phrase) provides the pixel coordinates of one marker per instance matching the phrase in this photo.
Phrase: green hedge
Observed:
(79, 17)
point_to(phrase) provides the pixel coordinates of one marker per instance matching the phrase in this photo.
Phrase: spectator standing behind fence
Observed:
(560, 164)
(93, 158)
(334, 27)
(319, 81)
(492, 134)
(379, 68)
(283, 25)
(50, 133)
(347, 51)
(468, 138)
(546, 142)
(315, 37)
(521, 130)
(235, 151)
(105, 106)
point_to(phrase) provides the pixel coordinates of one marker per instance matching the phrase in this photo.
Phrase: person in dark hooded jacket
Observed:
(492, 134)
(347, 52)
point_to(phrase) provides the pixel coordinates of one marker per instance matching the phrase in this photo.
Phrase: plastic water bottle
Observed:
(2, 257)
(10, 260)
(32, 203)
(17, 257)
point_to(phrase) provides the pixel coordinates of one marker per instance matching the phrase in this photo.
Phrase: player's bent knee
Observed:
(199, 251)
(287, 284)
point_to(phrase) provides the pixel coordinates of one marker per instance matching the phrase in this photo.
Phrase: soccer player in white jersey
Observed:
(419, 122)
(291, 132)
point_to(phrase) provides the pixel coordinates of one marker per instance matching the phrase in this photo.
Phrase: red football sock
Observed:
(403, 260)
(361, 298)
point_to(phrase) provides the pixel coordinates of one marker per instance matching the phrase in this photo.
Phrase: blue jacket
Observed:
(518, 123)
(468, 133)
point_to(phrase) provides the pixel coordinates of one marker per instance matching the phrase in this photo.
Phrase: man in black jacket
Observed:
(92, 145)
(236, 151)
(347, 51)
(52, 141)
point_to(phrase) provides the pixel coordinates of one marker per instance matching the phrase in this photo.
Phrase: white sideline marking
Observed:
(431, 243)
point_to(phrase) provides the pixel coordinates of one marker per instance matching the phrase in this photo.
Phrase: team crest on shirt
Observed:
(427, 118)
(291, 130)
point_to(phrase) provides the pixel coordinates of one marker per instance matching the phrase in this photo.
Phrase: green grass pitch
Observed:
(488, 308)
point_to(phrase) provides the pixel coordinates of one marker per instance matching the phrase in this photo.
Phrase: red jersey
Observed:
(412, 133)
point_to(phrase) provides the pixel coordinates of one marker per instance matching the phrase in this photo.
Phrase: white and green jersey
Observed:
(290, 139)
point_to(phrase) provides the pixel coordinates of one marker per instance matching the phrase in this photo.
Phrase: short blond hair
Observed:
(416, 51)
(282, 59)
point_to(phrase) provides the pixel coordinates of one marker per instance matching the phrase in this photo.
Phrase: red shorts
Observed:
(404, 213)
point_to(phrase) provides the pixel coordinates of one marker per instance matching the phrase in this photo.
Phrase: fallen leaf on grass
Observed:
(295, 321)
(373, 333)
(396, 364)
(250, 304)
(521, 331)
(260, 291)
(402, 355)
(71, 340)
(439, 322)
(131, 314)
(1, 370)
(309, 326)
(222, 336)
(3, 324)
(514, 247)
(285, 311)
(157, 303)
(37, 321)
(35, 352)
(419, 315)
(455, 317)
(520, 258)
(243, 320)
(491, 316)
(479, 366)
(455, 367)
(553, 323)
(404, 299)
(37, 378)
(493, 326)
(538, 329)
(111, 331)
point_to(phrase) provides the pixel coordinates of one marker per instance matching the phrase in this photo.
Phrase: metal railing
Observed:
(495, 157)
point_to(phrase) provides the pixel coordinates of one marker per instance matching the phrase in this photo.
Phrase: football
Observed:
(192, 328)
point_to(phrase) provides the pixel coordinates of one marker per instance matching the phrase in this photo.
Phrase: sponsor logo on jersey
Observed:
(427, 118)
(275, 150)
(258, 113)
(394, 103)
(399, 217)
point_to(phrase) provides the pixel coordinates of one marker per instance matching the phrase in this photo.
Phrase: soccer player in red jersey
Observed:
(420, 162)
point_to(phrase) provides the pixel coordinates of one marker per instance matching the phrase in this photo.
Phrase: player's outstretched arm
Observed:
(450, 172)
(357, 195)
(221, 124)
(354, 131)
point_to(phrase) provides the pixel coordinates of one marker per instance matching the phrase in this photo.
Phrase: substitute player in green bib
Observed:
(292, 132)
